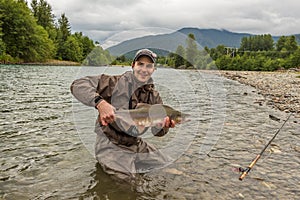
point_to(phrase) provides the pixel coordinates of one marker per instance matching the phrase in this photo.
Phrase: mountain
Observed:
(165, 43)
(213, 37)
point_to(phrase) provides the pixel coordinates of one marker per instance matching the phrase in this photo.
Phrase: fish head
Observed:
(180, 117)
(160, 111)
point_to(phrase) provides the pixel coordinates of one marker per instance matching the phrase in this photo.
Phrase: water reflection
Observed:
(104, 186)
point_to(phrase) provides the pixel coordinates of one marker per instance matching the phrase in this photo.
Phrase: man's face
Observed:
(143, 68)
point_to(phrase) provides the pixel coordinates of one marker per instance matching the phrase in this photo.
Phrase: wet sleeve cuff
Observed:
(159, 132)
(97, 100)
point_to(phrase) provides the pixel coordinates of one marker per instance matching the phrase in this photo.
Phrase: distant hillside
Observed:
(169, 42)
(213, 37)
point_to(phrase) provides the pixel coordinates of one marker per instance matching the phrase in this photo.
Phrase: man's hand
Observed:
(106, 112)
(168, 123)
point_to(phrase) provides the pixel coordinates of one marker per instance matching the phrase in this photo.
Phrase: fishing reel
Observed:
(240, 169)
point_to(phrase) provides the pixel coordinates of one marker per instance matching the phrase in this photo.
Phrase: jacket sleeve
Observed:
(90, 90)
(85, 90)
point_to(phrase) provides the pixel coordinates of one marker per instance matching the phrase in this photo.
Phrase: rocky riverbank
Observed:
(280, 89)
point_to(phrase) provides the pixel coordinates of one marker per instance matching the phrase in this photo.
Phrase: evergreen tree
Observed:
(72, 49)
(63, 32)
(64, 28)
(2, 45)
(267, 42)
(281, 43)
(191, 50)
(86, 44)
(291, 43)
(257, 43)
(23, 38)
(179, 56)
(30, 35)
(287, 43)
(42, 11)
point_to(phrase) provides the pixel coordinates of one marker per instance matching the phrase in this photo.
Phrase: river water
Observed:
(47, 140)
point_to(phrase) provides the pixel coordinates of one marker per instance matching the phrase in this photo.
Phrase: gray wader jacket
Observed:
(119, 148)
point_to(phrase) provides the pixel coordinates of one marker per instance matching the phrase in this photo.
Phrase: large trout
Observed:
(146, 115)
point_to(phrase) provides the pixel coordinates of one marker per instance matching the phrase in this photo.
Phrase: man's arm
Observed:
(85, 90)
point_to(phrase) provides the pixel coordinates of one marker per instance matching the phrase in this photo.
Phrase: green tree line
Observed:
(259, 53)
(256, 53)
(34, 34)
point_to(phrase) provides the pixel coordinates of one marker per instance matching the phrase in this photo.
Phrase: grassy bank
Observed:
(48, 62)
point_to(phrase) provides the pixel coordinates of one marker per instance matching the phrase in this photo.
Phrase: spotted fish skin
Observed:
(147, 115)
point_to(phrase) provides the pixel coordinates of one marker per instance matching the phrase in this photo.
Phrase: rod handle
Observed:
(247, 170)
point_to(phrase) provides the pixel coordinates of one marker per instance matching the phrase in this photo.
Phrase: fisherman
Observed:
(119, 148)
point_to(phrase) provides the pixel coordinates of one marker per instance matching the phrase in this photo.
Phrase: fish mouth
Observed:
(187, 120)
(183, 119)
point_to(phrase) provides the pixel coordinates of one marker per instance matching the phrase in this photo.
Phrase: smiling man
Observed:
(143, 65)
(119, 149)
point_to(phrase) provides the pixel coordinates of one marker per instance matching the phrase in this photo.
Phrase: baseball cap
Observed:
(145, 52)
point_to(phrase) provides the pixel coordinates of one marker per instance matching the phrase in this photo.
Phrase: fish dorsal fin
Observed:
(142, 105)
(167, 107)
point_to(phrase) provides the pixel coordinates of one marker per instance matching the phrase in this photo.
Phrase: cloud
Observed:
(101, 19)
(133, 33)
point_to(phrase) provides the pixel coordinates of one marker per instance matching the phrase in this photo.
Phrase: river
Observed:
(47, 140)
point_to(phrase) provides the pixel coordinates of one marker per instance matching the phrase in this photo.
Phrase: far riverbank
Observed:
(46, 63)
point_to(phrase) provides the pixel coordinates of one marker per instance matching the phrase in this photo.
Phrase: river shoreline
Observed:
(46, 63)
(280, 89)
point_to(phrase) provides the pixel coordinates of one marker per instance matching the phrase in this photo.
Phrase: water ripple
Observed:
(45, 156)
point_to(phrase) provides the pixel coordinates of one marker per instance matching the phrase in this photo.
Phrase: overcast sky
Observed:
(112, 21)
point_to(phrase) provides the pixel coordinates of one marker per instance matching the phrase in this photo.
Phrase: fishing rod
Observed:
(245, 171)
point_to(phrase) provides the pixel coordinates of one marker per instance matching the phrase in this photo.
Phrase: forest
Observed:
(258, 53)
(33, 34)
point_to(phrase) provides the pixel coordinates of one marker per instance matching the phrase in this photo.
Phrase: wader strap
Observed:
(131, 129)
(130, 95)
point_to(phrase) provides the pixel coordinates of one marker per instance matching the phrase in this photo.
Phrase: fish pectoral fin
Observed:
(140, 128)
(125, 117)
